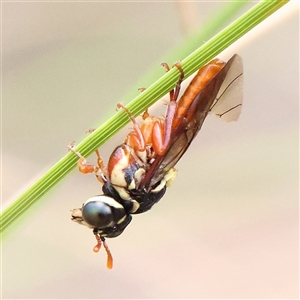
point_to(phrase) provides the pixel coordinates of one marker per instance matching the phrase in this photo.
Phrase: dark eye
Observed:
(102, 211)
(97, 214)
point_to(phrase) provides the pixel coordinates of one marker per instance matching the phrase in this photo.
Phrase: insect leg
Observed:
(86, 168)
(163, 142)
(137, 138)
(175, 92)
(99, 159)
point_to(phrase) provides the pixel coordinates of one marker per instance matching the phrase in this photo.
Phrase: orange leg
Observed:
(86, 168)
(175, 92)
(142, 89)
(160, 132)
(162, 137)
(137, 138)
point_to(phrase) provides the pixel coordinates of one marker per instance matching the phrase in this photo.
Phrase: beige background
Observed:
(227, 228)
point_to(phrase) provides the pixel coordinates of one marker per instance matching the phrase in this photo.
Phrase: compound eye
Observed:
(97, 213)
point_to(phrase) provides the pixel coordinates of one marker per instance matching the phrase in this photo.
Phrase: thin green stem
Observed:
(154, 92)
(212, 25)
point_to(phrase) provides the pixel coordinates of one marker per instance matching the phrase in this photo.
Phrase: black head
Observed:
(104, 215)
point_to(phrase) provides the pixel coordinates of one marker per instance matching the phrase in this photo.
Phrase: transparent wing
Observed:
(228, 103)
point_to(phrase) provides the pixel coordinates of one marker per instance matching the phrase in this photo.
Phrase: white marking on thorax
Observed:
(117, 176)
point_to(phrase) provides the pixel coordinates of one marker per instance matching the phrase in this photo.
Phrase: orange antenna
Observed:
(96, 249)
(98, 246)
(109, 263)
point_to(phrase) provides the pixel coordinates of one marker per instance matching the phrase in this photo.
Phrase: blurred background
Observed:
(228, 226)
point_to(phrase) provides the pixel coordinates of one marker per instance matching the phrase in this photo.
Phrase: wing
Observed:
(228, 103)
(222, 95)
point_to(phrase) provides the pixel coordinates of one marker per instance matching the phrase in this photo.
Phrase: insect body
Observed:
(139, 170)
